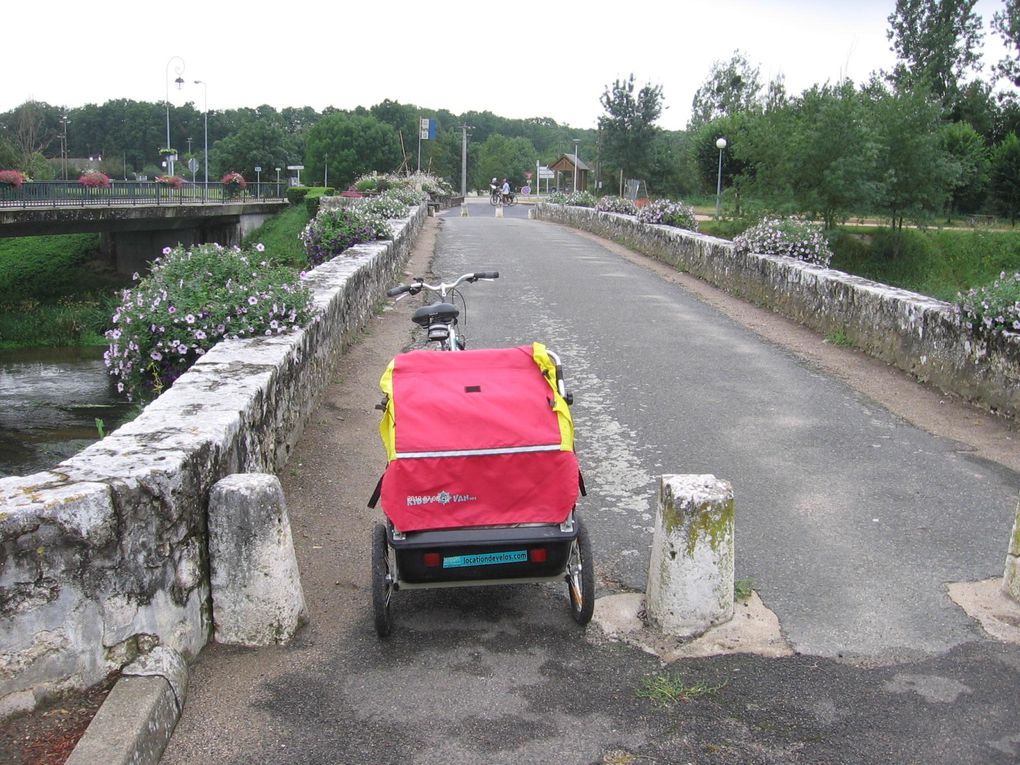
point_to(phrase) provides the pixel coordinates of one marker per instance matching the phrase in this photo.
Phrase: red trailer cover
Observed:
(476, 438)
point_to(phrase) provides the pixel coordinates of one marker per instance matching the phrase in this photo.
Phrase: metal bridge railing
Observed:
(130, 193)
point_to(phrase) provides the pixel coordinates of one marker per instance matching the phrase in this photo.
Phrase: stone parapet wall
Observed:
(105, 556)
(918, 334)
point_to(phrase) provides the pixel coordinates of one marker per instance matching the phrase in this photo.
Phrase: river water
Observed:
(50, 399)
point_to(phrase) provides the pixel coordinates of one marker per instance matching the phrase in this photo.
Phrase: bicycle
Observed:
(482, 480)
(497, 197)
(440, 317)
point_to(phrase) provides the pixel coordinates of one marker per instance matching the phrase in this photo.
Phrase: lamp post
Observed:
(278, 182)
(325, 171)
(179, 69)
(463, 159)
(205, 108)
(258, 181)
(576, 141)
(63, 143)
(720, 145)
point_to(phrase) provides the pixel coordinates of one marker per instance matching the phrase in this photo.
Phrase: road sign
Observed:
(193, 165)
(545, 172)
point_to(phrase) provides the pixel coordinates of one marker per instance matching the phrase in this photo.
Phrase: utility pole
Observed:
(463, 159)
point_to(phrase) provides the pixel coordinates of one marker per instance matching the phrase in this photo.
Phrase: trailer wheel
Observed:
(382, 581)
(581, 577)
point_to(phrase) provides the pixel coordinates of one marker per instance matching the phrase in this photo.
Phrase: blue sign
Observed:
(486, 559)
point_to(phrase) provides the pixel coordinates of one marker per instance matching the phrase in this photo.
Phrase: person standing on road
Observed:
(506, 190)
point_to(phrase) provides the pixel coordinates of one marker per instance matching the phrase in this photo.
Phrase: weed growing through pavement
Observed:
(669, 688)
(742, 589)
(839, 337)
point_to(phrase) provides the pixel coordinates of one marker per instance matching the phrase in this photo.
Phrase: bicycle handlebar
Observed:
(442, 287)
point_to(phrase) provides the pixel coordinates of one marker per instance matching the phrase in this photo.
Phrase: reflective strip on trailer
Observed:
(479, 452)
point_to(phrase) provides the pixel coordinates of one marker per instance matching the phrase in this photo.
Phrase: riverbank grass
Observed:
(55, 291)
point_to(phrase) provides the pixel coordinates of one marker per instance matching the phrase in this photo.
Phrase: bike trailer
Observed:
(481, 479)
(477, 438)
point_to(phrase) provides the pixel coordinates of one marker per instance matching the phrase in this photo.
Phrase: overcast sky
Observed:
(515, 58)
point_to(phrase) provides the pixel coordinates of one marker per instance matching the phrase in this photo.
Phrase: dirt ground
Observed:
(48, 735)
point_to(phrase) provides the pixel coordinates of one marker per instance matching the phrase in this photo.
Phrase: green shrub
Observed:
(668, 213)
(993, 308)
(575, 199)
(295, 194)
(792, 237)
(616, 205)
(189, 301)
(333, 232)
(312, 205)
(725, 228)
(387, 205)
(407, 195)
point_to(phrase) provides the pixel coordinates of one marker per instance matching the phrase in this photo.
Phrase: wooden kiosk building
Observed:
(564, 169)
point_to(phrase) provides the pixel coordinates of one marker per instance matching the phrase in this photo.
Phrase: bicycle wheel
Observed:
(581, 577)
(494, 199)
(382, 581)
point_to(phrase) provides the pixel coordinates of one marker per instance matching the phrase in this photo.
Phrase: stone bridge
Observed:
(106, 555)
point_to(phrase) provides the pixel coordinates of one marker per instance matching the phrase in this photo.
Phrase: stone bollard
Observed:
(531, 213)
(690, 576)
(256, 588)
(463, 210)
(499, 211)
(1011, 578)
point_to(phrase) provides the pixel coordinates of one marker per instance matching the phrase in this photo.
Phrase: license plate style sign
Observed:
(486, 559)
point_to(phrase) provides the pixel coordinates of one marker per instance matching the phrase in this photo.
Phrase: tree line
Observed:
(930, 138)
(334, 145)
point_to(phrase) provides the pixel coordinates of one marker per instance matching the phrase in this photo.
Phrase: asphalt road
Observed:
(850, 521)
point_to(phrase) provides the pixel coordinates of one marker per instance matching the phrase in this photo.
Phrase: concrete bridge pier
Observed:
(132, 251)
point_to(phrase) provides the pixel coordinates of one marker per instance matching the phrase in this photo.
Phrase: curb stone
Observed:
(136, 720)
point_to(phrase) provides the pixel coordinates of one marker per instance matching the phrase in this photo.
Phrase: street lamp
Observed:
(278, 182)
(325, 172)
(179, 69)
(463, 159)
(576, 141)
(258, 181)
(63, 143)
(205, 108)
(720, 145)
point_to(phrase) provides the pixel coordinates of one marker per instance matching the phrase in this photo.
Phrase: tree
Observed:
(9, 156)
(834, 153)
(352, 145)
(736, 167)
(731, 87)
(501, 157)
(967, 148)
(628, 126)
(32, 130)
(937, 42)
(1006, 24)
(257, 144)
(914, 174)
(1005, 186)
(672, 171)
